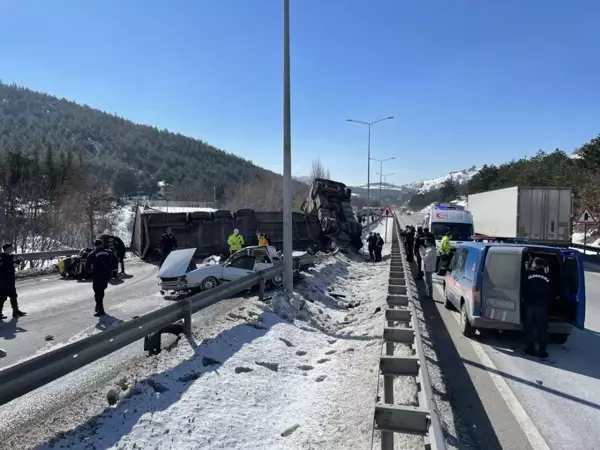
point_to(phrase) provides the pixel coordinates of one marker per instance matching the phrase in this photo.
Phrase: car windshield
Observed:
(458, 231)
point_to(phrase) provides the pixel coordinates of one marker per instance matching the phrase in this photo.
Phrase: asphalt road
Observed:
(548, 404)
(64, 309)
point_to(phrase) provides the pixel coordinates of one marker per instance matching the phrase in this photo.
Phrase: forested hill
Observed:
(132, 157)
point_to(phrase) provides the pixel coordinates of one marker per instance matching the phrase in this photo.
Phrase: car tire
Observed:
(277, 281)
(559, 338)
(465, 326)
(209, 283)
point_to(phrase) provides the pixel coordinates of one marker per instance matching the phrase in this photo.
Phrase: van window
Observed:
(572, 274)
(460, 259)
(498, 270)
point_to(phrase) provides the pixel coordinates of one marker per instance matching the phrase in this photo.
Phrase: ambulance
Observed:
(445, 218)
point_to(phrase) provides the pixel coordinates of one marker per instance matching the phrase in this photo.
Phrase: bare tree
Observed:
(318, 170)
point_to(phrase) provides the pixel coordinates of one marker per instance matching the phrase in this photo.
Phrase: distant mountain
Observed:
(460, 177)
(306, 179)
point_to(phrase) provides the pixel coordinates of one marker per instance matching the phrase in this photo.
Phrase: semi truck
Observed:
(536, 215)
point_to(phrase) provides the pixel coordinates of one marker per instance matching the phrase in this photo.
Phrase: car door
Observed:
(238, 266)
(574, 282)
(457, 266)
(501, 283)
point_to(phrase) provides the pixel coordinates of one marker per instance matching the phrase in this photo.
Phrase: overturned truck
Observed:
(329, 201)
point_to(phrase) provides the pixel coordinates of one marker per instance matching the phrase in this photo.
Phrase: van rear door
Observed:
(574, 282)
(501, 283)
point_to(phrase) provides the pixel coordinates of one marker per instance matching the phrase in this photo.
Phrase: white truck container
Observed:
(541, 215)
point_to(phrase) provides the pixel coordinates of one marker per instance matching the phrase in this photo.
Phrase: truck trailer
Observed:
(537, 215)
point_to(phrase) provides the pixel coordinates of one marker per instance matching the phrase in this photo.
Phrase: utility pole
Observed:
(288, 280)
(369, 153)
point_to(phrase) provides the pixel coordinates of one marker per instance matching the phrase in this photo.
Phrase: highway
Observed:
(514, 401)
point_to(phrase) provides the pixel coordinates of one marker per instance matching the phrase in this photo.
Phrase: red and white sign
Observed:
(387, 212)
(586, 217)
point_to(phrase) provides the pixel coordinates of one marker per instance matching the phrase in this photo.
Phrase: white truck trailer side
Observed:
(542, 215)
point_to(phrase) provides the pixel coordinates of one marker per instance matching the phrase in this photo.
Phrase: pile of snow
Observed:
(460, 177)
(123, 218)
(300, 372)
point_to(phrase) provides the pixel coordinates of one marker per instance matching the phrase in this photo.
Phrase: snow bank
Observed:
(180, 209)
(298, 373)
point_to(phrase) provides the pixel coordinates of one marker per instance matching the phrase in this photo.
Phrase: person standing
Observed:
(8, 288)
(378, 247)
(419, 243)
(539, 289)
(371, 246)
(235, 242)
(263, 239)
(100, 263)
(120, 252)
(429, 259)
(445, 250)
(409, 243)
(168, 243)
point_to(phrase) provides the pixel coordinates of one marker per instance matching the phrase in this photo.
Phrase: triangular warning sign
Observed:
(586, 217)
(387, 212)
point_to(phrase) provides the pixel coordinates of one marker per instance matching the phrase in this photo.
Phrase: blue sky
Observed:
(468, 81)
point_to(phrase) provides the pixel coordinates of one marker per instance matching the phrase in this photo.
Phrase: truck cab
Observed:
(484, 283)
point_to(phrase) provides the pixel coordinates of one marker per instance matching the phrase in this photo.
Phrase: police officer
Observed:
(371, 245)
(168, 243)
(419, 243)
(100, 263)
(539, 289)
(445, 250)
(235, 242)
(409, 242)
(8, 287)
(378, 247)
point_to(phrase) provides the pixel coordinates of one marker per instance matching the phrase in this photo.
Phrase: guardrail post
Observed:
(187, 317)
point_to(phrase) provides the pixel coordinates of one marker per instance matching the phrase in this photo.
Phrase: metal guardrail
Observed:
(34, 256)
(587, 248)
(32, 374)
(390, 418)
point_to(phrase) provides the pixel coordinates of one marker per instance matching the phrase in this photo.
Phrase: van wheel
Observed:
(559, 338)
(465, 327)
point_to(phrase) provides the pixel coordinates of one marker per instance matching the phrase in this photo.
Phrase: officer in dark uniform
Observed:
(100, 263)
(409, 243)
(371, 245)
(539, 289)
(419, 243)
(8, 287)
(378, 247)
(168, 243)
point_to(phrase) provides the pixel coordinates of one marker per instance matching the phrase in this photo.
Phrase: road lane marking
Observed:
(534, 437)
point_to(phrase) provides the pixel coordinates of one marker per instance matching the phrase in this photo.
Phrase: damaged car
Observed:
(179, 274)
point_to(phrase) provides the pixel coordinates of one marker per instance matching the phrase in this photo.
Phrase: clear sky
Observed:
(468, 81)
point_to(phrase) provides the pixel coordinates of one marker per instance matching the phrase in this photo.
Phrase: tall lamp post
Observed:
(288, 281)
(385, 175)
(381, 161)
(369, 153)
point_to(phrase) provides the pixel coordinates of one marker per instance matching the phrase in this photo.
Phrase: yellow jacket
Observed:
(445, 246)
(236, 242)
(263, 241)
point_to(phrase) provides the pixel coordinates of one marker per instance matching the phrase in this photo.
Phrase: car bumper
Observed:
(484, 322)
(174, 286)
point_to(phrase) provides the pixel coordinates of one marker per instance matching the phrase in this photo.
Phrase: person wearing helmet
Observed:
(235, 242)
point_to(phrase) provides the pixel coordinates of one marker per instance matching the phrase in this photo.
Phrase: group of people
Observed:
(375, 246)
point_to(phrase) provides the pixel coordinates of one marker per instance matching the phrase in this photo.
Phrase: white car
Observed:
(180, 273)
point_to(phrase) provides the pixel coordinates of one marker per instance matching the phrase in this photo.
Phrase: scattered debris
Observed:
(243, 369)
(301, 353)
(540, 382)
(112, 397)
(206, 361)
(290, 430)
(271, 366)
(349, 350)
(49, 338)
(320, 378)
(322, 360)
(335, 295)
(378, 309)
(286, 342)
(330, 352)
(331, 341)
(305, 367)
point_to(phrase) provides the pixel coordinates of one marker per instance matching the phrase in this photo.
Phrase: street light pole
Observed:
(288, 281)
(381, 161)
(369, 153)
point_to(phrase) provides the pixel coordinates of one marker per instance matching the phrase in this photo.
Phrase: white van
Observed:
(445, 218)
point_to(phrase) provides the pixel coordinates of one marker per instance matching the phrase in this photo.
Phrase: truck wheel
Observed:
(559, 338)
(209, 283)
(465, 327)
(277, 281)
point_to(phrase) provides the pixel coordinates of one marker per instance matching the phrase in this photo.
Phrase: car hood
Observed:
(177, 263)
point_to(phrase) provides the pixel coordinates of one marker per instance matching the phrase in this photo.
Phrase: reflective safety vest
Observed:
(236, 242)
(445, 246)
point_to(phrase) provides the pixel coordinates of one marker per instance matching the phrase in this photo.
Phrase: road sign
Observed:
(586, 217)
(387, 212)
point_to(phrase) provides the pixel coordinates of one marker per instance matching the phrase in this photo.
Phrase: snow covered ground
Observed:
(297, 372)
